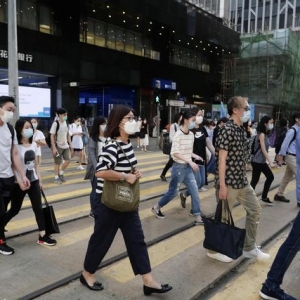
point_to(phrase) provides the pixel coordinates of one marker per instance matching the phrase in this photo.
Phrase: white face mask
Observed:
(270, 126)
(199, 119)
(103, 127)
(246, 117)
(131, 127)
(34, 125)
(7, 116)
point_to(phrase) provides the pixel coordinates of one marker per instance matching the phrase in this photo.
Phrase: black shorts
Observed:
(77, 150)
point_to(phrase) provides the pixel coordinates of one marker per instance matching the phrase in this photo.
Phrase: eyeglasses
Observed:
(247, 108)
(130, 119)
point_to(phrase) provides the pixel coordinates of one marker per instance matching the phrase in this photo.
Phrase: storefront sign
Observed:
(164, 84)
(21, 56)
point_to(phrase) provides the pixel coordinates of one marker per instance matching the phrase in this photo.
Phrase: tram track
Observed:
(75, 276)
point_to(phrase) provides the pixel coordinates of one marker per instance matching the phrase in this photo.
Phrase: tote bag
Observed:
(121, 196)
(51, 225)
(223, 238)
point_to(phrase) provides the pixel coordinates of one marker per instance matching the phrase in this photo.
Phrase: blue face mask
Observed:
(191, 125)
(27, 133)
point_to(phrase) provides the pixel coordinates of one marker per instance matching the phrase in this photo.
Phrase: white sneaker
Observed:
(256, 253)
(219, 257)
(203, 189)
(80, 168)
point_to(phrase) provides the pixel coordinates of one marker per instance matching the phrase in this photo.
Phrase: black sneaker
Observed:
(6, 250)
(46, 240)
(182, 200)
(281, 198)
(267, 201)
(265, 293)
(91, 215)
(62, 178)
(158, 214)
(163, 178)
(191, 213)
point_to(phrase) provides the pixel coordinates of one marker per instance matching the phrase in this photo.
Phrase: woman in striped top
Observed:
(114, 166)
(184, 169)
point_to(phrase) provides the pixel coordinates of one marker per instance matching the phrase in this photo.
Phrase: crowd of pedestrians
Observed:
(110, 156)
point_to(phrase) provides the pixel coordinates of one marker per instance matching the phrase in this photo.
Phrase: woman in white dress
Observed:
(75, 131)
(39, 139)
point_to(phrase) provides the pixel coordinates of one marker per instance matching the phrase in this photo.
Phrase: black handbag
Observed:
(167, 146)
(221, 237)
(121, 196)
(51, 225)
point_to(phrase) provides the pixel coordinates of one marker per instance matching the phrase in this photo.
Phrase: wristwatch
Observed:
(123, 177)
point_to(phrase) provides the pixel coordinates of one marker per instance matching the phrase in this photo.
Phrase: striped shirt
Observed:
(183, 144)
(113, 158)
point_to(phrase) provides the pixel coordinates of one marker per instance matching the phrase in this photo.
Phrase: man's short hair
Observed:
(5, 99)
(235, 102)
(296, 115)
(61, 111)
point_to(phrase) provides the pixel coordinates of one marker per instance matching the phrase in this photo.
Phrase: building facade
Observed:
(95, 54)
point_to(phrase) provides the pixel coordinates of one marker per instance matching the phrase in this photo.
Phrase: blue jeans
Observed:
(182, 173)
(200, 179)
(284, 257)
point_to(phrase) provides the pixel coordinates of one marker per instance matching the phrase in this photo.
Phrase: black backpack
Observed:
(12, 131)
(48, 138)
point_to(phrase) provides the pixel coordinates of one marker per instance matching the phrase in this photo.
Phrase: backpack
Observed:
(253, 150)
(48, 138)
(272, 139)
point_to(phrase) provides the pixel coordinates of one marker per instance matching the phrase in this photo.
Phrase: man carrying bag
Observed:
(231, 180)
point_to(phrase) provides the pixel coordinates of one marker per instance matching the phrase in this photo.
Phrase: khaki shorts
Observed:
(63, 154)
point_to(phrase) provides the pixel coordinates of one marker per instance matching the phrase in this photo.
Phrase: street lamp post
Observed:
(13, 55)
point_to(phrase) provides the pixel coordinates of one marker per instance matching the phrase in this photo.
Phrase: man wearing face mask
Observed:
(231, 180)
(60, 145)
(9, 156)
(289, 151)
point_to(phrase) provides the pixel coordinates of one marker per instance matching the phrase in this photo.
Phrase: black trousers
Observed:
(167, 166)
(107, 223)
(6, 187)
(257, 169)
(17, 198)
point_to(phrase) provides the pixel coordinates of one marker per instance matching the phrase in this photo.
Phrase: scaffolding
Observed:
(267, 70)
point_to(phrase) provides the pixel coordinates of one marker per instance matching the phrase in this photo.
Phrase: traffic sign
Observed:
(176, 103)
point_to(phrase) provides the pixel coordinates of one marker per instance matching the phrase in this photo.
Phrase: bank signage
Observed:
(21, 56)
(164, 84)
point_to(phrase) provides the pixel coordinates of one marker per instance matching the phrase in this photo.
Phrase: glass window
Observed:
(45, 20)
(138, 45)
(90, 35)
(111, 37)
(3, 10)
(120, 39)
(129, 44)
(26, 14)
(100, 34)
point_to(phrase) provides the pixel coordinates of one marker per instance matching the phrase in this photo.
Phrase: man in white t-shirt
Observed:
(9, 157)
(60, 145)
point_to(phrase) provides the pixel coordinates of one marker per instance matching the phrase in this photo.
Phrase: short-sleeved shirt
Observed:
(77, 142)
(5, 151)
(38, 135)
(232, 138)
(28, 155)
(113, 158)
(182, 144)
(62, 134)
(200, 142)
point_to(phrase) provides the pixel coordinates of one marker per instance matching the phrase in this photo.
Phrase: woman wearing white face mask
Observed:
(28, 150)
(96, 142)
(112, 166)
(184, 170)
(201, 141)
(38, 139)
(144, 135)
(76, 133)
(261, 156)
